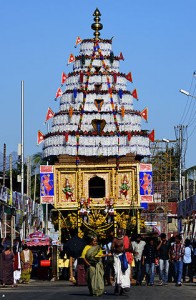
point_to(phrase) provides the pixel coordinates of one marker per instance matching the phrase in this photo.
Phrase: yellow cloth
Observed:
(86, 248)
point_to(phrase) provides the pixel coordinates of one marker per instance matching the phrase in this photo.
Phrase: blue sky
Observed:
(157, 39)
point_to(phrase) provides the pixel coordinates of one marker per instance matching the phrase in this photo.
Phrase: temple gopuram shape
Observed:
(99, 177)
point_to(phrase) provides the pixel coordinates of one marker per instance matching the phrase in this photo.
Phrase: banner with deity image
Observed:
(46, 184)
(145, 182)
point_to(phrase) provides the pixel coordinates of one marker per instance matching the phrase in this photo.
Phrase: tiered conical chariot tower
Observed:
(97, 138)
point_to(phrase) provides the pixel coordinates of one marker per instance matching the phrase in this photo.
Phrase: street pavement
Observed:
(57, 290)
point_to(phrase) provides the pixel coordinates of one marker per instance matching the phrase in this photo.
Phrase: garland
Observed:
(104, 227)
(95, 92)
(75, 73)
(76, 112)
(79, 57)
(93, 41)
(114, 110)
(83, 104)
(143, 133)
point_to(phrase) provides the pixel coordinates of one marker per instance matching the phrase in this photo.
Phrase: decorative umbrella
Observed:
(74, 247)
(37, 238)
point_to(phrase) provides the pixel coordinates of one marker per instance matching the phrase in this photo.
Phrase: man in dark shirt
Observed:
(164, 255)
(149, 256)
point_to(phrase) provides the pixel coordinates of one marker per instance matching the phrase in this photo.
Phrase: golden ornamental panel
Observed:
(65, 189)
(125, 188)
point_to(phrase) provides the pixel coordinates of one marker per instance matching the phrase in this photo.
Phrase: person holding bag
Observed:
(108, 263)
(138, 247)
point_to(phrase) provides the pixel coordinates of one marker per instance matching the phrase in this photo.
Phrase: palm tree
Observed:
(37, 160)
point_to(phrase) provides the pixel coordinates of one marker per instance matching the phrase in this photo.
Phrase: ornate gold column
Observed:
(138, 221)
(112, 183)
(115, 224)
(79, 224)
(79, 184)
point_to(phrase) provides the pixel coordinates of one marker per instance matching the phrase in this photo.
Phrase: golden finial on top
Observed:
(97, 26)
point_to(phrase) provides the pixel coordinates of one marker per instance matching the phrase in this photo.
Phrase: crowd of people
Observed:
(15, 264)
(120, 260)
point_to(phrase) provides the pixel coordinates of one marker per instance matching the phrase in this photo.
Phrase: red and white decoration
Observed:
(59, 93)
(71, 59)
(40, 137)
(96, 115)
(50, 114)
(78, 41)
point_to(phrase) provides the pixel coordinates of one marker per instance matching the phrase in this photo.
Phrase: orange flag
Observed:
(63, 78)
(50, 114)
(144, 114)
(129, 77)
(134, 94)
(71, 59)
(121, 56)
(78, 41)
(40, 137)
(151, 136)
(59, 93)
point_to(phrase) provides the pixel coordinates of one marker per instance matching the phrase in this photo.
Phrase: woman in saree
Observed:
(26, 257)
(7, 266)
(92, 255)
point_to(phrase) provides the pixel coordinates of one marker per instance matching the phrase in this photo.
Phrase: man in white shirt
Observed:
(187, 261)
(138, 247)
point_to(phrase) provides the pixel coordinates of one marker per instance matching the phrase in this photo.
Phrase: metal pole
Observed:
(22, 138)
(46, 225)
(180, 163)
(46, 205)
(22, 146)
(187, 185)
(4, 164)
(10, 203)
(34, 192)
(11, 181)
(29, 176)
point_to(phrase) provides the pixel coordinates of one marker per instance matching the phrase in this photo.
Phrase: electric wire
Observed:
(192, 117)
(187, 106)
(188, 117)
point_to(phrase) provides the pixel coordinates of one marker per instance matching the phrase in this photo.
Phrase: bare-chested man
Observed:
(118, 242)
(122, 277)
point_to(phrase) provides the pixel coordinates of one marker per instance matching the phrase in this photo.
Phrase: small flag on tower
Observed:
(115, 77)
(81, 77)
(59, 93)
(129, 136)
(121, 57)
(151, 136)
(66, 136)
(40, 137)
(63, 78)
(134, 94)
(50, 114)
(129, 77)
(71, 59)
(78, 41)
(144, 114)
